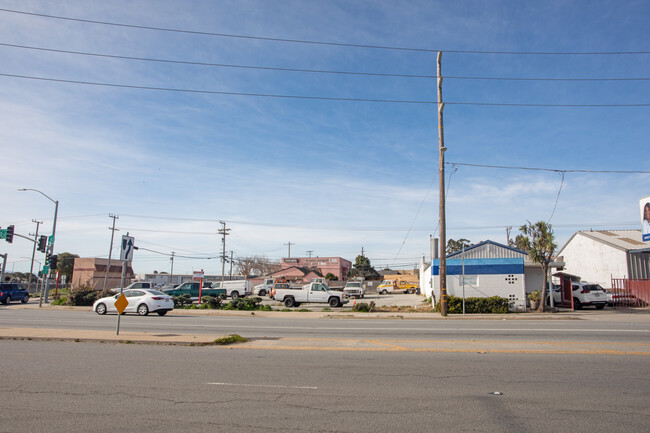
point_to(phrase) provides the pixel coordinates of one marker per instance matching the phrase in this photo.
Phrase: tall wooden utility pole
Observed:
(443, 226)
(224, 232)
(290, 248)
(110, 250)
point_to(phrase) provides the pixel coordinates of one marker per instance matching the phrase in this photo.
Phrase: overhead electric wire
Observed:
(322, 98)
(556, 170)
(318, 71)
(302, 41)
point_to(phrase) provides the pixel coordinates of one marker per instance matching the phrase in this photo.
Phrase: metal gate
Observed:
(630, 293)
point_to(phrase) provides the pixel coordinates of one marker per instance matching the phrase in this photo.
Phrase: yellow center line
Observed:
(555, 343)
(404, 349)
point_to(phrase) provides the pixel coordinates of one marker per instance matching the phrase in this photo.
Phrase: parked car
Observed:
(137, 285)
(142, 302)
(13, 292)
(585, 294)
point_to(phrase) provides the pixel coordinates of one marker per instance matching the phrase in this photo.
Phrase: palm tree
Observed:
(537, 239)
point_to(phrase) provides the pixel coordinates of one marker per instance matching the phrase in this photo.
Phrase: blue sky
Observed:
(328, 176)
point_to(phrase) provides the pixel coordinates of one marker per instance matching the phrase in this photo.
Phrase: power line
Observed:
(302, 41)
(556, 170)
(322, 98)
(319, 71)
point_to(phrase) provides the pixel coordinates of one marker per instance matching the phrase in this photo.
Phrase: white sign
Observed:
(198, 275)
(128, 243)
(644, 204)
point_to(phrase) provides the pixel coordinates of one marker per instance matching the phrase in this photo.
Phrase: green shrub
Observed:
(234, 338)
(361, 307)
(492, 305)
(182, 301)
(211, 302)
(83, 296)
(247, 304)
(61, 300)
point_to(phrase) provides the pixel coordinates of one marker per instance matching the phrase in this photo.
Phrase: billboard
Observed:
(644, 204)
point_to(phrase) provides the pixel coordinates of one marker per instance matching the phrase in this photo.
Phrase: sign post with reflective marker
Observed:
(121, 305)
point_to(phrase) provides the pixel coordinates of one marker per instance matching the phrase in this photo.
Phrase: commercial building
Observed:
(602, 255)
(92, 272)
(336, 266)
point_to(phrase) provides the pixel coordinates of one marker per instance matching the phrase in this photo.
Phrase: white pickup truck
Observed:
(354, 289)
(264, 288)
(312, 293)
(235, 288)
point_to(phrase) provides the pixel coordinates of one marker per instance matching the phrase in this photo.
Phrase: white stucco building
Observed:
(598, 256)
(484, 270)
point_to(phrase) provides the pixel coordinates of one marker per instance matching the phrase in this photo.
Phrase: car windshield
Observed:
(354, 284)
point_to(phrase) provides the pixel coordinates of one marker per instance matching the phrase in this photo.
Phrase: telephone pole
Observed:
(31, 267)
(231, 253)
(223, 232)
(441, 181)
(110, 251)
(290, 248)
(171, 274)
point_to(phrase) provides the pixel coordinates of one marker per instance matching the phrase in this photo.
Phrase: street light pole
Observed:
(31, 266)
(51, 247)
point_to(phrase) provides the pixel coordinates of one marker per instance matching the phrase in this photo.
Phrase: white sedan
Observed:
(141, 301)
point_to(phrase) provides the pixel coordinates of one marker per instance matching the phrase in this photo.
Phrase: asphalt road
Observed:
(587, 374)
(94, 387)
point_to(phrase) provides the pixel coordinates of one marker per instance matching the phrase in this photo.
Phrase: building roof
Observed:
(488, 250)
(625, 240)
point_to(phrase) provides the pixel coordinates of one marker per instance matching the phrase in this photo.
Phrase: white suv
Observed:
(588, 294)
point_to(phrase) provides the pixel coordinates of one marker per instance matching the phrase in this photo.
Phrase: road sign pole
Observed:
(119, 313)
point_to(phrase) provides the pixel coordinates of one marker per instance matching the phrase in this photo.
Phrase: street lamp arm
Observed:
(40, 192)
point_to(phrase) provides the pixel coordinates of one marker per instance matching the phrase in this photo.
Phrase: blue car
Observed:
(13, 292)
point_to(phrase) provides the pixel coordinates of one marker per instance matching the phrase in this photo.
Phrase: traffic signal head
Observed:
(42, 243)
(53, 260)
(10, 234)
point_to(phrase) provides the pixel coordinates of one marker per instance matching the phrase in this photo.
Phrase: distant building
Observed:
(298, 275)
(598, 256)
(92, 272)
(336, 266)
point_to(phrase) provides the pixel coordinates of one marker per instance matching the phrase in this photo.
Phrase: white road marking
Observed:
(261, 386)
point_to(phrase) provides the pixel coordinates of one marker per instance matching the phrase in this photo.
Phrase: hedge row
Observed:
(492, 305)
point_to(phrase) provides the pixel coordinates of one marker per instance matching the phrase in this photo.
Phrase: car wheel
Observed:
(289, 302)
(143, 310)
(577, 305)
(296, 304)
(7, 300)
(235, 295)
(334, 302)
(25, 299)
(384, 292)
(101, 309)
(262, 292)
(162, 313)
(600, 307)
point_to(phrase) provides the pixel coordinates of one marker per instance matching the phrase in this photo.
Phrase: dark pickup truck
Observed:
(192, 289)
(13, 292)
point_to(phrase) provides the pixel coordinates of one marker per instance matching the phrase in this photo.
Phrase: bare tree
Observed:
(257, 265)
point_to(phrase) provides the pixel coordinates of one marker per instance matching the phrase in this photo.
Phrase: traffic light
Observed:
(53, 260)
(42, 243)
(10, 234)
